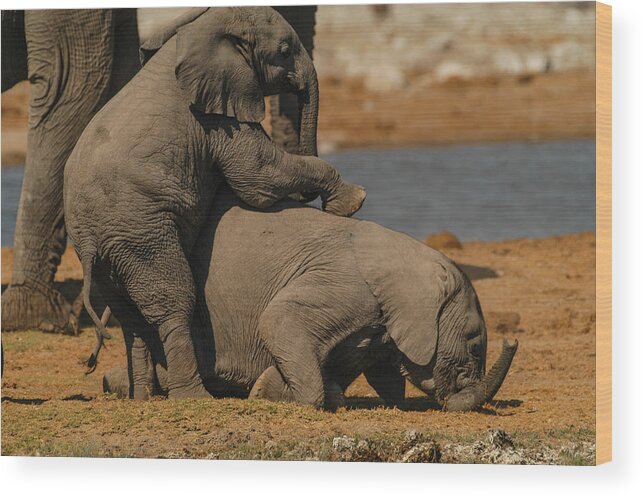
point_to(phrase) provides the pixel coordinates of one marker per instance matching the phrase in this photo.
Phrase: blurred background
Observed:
(472, 118)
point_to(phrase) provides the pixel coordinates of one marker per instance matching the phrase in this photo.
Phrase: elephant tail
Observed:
(101, 330)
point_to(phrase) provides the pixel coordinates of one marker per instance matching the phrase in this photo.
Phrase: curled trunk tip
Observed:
(474, 396)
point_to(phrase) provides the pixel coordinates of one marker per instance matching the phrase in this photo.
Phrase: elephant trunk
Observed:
(474, 396)
(308, 98)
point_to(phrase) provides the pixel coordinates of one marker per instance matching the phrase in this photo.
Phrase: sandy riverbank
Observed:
(538, 291)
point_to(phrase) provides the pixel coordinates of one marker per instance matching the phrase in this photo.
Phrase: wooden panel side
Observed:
(603, 233)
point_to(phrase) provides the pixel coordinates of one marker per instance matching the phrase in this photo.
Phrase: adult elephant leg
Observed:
(14, 48)
(70, 68)
(284, 108)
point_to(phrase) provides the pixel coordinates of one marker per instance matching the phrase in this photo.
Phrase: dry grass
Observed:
(547, 404)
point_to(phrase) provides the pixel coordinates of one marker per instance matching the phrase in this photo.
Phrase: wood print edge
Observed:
(603, 233)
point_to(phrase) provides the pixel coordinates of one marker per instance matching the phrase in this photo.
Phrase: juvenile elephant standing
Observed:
(300, 303)
(79, 58)
(140, 182)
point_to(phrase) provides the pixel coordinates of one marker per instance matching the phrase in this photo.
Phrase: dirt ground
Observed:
(538, 291)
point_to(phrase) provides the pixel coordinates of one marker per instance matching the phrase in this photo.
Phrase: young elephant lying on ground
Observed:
(297, 303)
(142, 178)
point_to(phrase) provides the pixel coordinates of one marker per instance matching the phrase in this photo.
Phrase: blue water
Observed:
(478, 192)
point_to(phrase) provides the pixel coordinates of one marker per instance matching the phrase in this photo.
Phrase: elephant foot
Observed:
(189, 392)
(345, 201)
(45, 309)
(116, 381)
(271, 386)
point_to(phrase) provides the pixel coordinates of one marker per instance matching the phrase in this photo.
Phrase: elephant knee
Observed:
(315, 399)
(311, 394)
(258, 201)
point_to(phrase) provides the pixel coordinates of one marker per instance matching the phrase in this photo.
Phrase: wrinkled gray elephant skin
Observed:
(141, 180)
(75, 61)
(299, 303)
(80, 59)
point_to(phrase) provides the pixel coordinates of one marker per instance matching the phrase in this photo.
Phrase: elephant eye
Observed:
(474, 348)
(284, 50)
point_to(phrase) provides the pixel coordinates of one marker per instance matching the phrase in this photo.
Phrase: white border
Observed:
(115, 477)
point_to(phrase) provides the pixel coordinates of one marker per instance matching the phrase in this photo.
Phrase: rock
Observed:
(351, 450)
(343, 443)
(412, 438)
(500, 449)
(365, 451)
(453, 71)
(423, 452)
(505, 322)
(500, 439)
(443, 240)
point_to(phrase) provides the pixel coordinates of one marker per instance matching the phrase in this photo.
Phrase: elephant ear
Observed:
(411, 283)
(160, 36)
(214, 69)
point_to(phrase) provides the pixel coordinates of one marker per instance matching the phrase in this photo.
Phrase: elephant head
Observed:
(433, 317)
(455, 373)
(228, 59)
